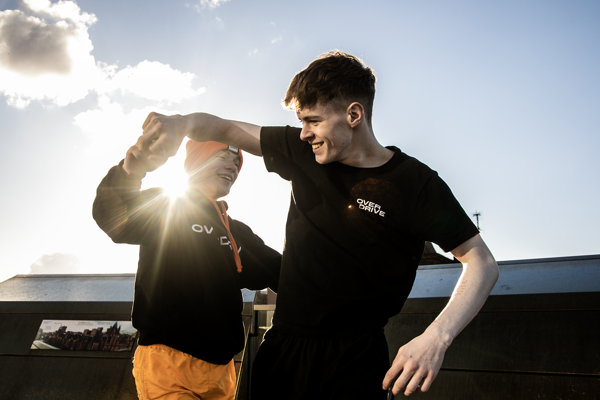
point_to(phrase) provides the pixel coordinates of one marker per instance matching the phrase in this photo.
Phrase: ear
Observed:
(355, 114)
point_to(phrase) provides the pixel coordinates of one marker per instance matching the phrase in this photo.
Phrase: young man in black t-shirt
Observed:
(356, 228)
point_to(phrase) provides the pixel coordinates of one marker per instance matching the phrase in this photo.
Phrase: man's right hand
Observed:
(162, 134)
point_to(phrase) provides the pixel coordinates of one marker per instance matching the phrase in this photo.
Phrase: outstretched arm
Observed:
(163, 134)
(418, 362)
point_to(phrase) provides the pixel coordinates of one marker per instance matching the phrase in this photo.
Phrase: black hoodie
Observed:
(187, 289)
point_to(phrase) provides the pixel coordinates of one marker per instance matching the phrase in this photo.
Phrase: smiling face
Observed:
(216, 176)
(327, 129)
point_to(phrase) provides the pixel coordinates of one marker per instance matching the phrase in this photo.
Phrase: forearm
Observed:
(124, 213)
(113, 200)
(163, 134)
(480, 273)
(243, 135)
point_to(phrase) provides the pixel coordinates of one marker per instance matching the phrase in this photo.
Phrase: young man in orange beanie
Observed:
(194, 259)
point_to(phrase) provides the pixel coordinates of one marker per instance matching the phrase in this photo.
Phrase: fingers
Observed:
(152, 129)
(135, 152)
(162, 135)
(411, 381)
(410, 378)
(163, 146)
(134, 162)
(137, 163)
(150, 118)
(426, 384)
(391, 375)
(415, 374)
(153, 162)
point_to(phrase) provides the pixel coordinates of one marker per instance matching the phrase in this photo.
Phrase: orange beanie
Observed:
(197, 153)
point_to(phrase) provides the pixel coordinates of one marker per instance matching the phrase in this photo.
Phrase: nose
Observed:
(305, 133)
(231, 167)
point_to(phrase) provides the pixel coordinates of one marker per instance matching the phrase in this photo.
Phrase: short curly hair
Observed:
(334, 77)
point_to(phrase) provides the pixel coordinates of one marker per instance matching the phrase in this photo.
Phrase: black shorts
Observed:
(294, 367)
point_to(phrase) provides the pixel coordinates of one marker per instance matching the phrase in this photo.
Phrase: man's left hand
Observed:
(418, 363)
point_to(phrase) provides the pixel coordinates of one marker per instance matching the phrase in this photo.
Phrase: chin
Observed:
(323, 160)
(220, 194)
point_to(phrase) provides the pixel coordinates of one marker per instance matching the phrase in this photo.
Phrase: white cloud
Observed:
(252, 52)
(111, 129)
(203, 4)
(277, 40)
(211, 3)
(61, 10)
(46, 58)
(45, 55)
(56, 263)
(153, 81)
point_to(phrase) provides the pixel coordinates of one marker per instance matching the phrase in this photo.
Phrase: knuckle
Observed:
(411, 365)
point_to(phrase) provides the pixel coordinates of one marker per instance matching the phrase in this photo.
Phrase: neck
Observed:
(198, 190)
(367, 151)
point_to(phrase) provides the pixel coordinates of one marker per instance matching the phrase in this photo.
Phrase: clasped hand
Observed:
(160, 140)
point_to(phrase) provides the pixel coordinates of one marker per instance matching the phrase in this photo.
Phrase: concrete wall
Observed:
(27, 300)
(61, 375)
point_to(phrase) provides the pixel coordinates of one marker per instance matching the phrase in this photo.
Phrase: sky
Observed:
(501, 98)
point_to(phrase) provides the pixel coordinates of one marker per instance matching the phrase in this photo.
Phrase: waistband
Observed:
(312, 333)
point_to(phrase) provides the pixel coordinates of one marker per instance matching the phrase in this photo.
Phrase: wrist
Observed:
(132, 174)
(186, 126)
(443, 334)
(192, 126)
(203, 127)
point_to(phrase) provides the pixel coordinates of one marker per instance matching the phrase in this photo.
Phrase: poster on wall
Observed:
(85, 335)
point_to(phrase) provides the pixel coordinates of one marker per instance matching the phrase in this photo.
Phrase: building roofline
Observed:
(523, 261)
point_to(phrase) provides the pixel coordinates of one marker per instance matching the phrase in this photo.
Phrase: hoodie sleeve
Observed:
(126, 214)
(260, 263)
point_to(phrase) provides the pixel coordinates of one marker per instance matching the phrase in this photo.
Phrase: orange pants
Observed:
(162, 372)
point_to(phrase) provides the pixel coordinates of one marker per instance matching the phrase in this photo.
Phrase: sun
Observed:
(176, 185)
(171, 176)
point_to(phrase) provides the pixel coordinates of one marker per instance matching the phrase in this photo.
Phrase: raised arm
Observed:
(120, 209)
(163, 134)
(419, 361)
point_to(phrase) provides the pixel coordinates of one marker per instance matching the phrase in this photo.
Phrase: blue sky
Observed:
(501, 98)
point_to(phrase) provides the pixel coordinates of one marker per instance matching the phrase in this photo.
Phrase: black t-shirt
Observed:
(355, 236)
